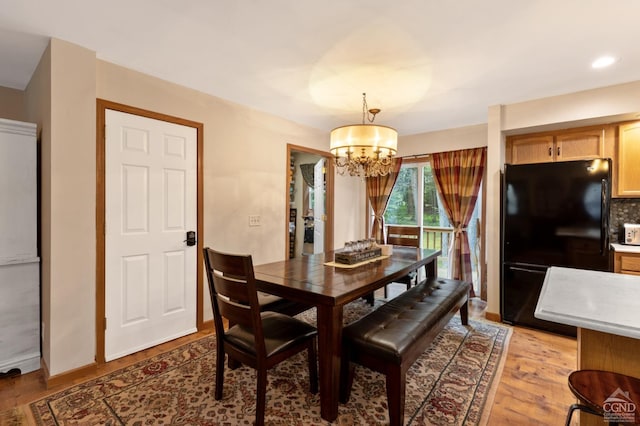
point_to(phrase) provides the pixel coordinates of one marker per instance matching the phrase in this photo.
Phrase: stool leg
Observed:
(582, 408)
(570, 414)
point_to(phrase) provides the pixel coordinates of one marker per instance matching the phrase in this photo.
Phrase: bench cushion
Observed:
(389, 331)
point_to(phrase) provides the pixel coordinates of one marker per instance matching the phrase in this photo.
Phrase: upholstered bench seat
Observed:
(393, 336)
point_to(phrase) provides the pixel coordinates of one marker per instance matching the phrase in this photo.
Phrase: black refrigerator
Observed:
(553, 214)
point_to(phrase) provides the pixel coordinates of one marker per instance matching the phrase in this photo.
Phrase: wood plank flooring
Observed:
(532, 391)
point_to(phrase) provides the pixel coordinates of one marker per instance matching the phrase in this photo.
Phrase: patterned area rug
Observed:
(450, 384)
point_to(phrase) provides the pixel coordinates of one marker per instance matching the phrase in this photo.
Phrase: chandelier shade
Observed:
(364, 149)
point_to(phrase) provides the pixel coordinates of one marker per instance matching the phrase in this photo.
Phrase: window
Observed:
(415, 187)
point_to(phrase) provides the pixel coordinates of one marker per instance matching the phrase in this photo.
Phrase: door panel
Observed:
(150, 204)
(318, 207)
(520, 290)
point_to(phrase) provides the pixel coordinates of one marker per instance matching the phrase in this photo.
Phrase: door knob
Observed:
(191, 238)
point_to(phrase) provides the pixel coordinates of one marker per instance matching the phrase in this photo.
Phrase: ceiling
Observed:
(428, 64)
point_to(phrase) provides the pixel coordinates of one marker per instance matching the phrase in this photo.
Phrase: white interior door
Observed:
(151, 203)
(318, 207)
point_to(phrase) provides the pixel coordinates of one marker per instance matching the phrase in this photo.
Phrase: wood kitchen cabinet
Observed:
(626, 263)
(627, 155)
(556, 146)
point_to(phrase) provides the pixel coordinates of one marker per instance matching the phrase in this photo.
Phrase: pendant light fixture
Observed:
(365, 150)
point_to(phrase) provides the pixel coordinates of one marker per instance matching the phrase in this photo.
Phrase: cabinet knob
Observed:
(550, 152)
(558, 153)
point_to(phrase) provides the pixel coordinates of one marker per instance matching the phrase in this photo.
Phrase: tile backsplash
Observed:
(623, 210)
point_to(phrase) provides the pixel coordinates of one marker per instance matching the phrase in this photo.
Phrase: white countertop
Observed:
(622, 248)
(600, 301)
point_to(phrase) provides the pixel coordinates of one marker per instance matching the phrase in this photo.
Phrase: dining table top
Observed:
(317, 280)
(312, 278)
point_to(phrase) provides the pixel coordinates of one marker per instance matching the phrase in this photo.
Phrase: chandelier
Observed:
(365, 150)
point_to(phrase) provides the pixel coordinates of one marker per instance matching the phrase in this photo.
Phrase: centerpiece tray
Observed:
(351, 257)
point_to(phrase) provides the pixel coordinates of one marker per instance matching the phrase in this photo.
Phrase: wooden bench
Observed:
(390, 338)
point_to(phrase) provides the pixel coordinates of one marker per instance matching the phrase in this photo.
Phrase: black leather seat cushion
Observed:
(277, 328)
(391, 329)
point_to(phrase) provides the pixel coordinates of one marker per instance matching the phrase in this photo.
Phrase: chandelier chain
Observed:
(370, 114)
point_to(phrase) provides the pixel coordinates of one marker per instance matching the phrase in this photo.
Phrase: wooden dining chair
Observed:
(258, 339)
(409, 236)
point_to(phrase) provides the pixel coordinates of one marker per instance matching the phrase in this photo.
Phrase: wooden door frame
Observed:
(101, 107)
(329, 195)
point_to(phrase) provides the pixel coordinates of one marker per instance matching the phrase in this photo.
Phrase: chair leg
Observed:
(347, 371)
(313, 367)
(584, 408)
(261, 396)
(464, 313)
(369, 298)
(219, 372)
(396, 387)
(233, 363)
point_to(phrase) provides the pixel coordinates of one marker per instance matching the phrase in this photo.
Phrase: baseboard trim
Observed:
(492, 316)
(68, 376)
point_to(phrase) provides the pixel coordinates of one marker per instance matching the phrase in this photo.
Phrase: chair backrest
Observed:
(403, 235)
(233, 292)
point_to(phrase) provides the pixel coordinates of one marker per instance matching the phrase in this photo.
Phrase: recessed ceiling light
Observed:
(603, 62)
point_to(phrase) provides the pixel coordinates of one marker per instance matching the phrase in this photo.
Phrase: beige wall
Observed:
(12, 104)
(603, 105)
(597, 106)
(244, 174)
(245, 163)
(443, 140)
(244, 158)
(38, 110)
(61, 99)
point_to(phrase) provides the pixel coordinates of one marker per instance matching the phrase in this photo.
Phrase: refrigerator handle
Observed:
(532, 271)
(604, 217)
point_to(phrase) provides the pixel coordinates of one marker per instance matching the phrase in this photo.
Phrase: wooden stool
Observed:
(605, 393)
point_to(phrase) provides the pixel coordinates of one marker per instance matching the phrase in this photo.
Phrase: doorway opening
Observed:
(309, 202)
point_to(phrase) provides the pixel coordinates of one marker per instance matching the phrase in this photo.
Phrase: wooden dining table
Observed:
(308, 279)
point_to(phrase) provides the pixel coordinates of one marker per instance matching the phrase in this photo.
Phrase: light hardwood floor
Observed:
(532, 391)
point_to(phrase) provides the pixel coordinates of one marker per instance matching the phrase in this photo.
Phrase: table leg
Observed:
(431, 268)
(329, 354)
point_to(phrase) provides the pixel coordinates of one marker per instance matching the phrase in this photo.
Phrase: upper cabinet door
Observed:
(556, 146)
(531, 149)
(627, 159)
(580, 145)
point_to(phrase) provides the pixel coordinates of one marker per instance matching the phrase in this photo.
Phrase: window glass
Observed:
(401, 209)
(416, 187)
(432, 212)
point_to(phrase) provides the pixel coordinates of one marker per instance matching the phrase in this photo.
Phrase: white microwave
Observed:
(631, 234)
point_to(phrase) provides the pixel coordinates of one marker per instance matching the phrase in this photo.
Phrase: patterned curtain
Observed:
(307, 173)
(457, 175)
(378, 192)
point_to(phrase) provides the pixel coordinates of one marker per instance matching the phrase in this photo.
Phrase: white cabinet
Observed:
(19, 262)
